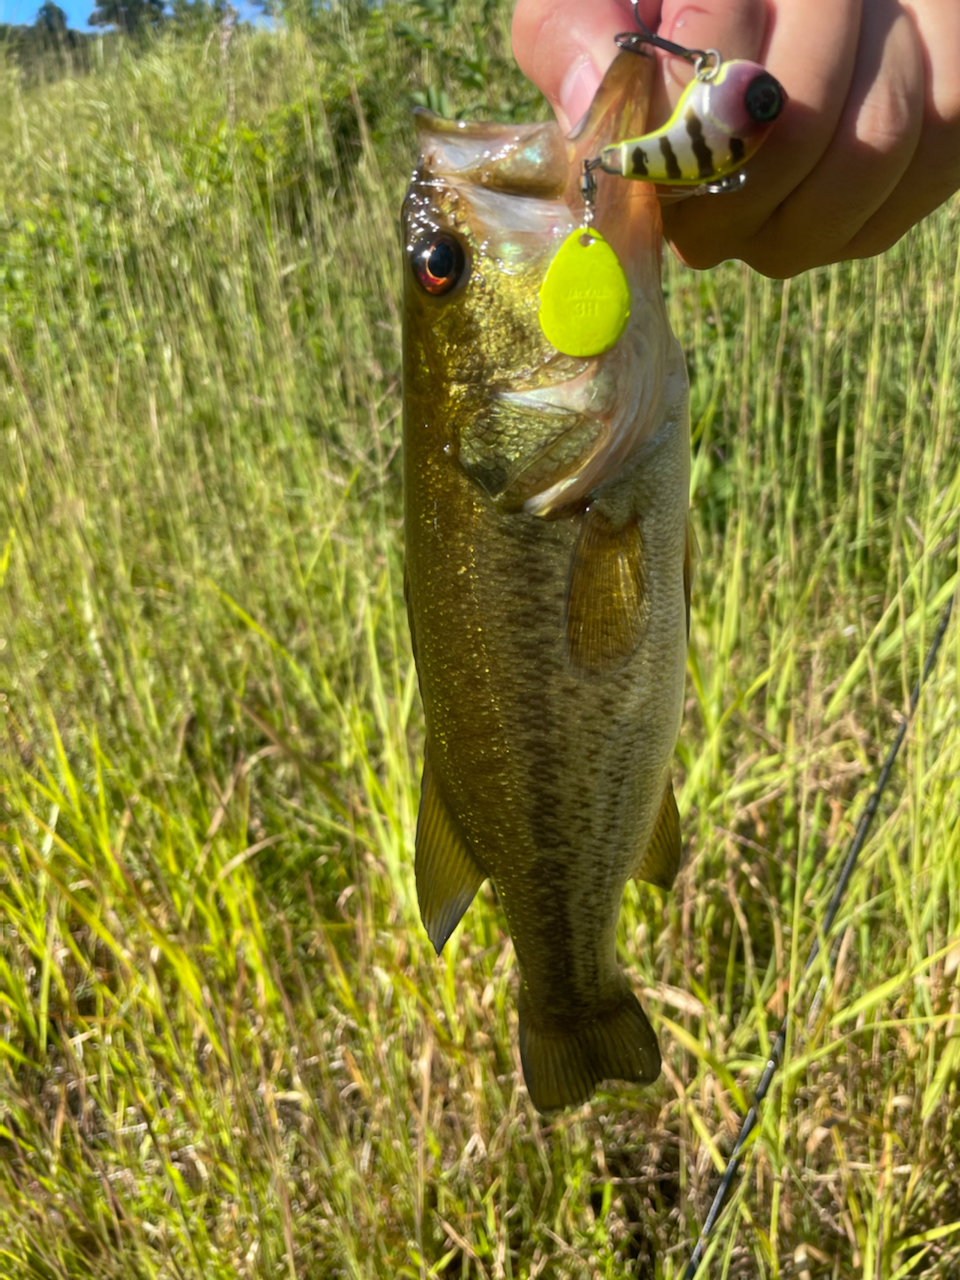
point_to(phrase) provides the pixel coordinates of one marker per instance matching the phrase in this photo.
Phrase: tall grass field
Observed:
(227, 1049)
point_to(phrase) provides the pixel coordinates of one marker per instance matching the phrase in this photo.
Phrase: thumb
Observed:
(565, 46)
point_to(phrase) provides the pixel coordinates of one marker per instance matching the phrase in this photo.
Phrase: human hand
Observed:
(869, 142)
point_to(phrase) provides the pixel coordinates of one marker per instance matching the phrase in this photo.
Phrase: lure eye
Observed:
(439, 263)
(764, 98)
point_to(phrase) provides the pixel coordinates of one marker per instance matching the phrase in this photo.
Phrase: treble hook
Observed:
(705, 61)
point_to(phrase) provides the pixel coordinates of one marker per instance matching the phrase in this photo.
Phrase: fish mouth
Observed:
(519, 160)
(588, 391)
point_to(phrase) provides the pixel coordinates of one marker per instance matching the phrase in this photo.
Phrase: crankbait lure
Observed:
(722, 117)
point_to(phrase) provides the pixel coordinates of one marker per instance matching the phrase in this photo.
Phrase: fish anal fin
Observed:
(448, 875)
(661, 861)
(607, 603)
(563, 1068)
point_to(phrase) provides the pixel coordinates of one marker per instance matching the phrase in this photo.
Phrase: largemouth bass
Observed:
(548, 574)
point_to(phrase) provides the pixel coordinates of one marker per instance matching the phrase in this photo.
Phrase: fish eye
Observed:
(764, 98)
(439, 262)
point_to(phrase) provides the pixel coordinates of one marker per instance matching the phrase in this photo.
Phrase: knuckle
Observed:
(698, 257)
(889, 118)
(780, 256)
(775, 266)
(872, 243)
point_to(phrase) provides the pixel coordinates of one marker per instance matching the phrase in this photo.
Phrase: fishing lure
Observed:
(720, 120)
(585, 297)
(722, 117)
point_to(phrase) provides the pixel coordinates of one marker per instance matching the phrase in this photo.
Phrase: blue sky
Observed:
(78, 11)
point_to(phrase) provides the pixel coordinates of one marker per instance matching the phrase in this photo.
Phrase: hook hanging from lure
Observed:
(719, 122)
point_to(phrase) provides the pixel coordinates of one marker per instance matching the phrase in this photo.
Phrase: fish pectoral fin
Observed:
(661, 861)
(563, 1068)
(448, 875)
(607, 603)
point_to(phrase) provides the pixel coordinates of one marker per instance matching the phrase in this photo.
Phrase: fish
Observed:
(719, 122)
(548, 566)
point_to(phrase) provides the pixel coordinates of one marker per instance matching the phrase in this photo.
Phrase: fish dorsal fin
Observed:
(690, 557)
(661, 862)
(606, 596)
(448, 875)
(563, 1066)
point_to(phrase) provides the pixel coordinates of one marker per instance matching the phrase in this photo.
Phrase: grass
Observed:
(226, 1047)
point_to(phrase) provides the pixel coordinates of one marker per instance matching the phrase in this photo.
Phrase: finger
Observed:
(875, 141)
(736, 28)
(565, 46)
(934, 171)
(811, 49)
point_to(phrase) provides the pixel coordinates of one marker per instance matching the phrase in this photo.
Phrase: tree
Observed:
(197, 15)
(51, 21)
(128, 16)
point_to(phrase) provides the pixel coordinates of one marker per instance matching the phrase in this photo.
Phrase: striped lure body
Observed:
(717, 125)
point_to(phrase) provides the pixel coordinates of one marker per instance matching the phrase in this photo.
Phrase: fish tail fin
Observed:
(563, 1069)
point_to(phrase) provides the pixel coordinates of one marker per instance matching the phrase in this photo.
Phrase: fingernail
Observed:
(579, 86)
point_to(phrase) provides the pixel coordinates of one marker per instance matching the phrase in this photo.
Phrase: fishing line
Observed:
(776, 1053)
